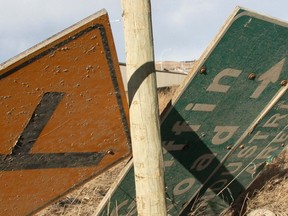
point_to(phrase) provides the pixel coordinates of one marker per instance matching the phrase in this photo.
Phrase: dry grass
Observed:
(84, 201)
(164, 96)
(269, 191)
(273, 196)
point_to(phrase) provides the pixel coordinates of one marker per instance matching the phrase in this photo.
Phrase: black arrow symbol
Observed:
(20, 159)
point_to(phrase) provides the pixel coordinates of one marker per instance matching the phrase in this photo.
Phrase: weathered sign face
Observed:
(230, 114)
(265, 141)
(63, 116)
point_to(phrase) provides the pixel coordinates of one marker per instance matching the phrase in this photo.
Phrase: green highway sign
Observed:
(235, 87)
(257, 148)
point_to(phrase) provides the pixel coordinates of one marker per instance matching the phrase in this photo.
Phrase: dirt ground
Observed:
(269, 191)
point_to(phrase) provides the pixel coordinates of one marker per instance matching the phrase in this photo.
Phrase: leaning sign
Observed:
(63, 116)
(228, 119)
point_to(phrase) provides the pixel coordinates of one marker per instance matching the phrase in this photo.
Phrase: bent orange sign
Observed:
(63, 116)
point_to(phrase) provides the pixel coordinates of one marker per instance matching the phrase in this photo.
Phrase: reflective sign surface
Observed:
(63, 116)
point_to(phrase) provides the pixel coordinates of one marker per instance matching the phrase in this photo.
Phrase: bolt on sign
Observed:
(63, 116)
(228, 120)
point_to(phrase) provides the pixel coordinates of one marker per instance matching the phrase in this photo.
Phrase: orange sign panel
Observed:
(63, 116)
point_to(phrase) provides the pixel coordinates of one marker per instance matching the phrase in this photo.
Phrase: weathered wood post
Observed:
(144, 114)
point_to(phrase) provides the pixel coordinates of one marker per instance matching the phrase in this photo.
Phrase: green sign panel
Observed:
(214, 131)
(258, 147)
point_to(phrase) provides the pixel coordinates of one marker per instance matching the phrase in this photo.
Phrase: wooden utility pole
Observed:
(144, 114)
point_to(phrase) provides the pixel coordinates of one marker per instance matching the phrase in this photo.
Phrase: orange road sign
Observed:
(63, 116)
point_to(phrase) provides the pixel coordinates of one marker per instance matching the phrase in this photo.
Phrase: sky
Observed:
(182, 29)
